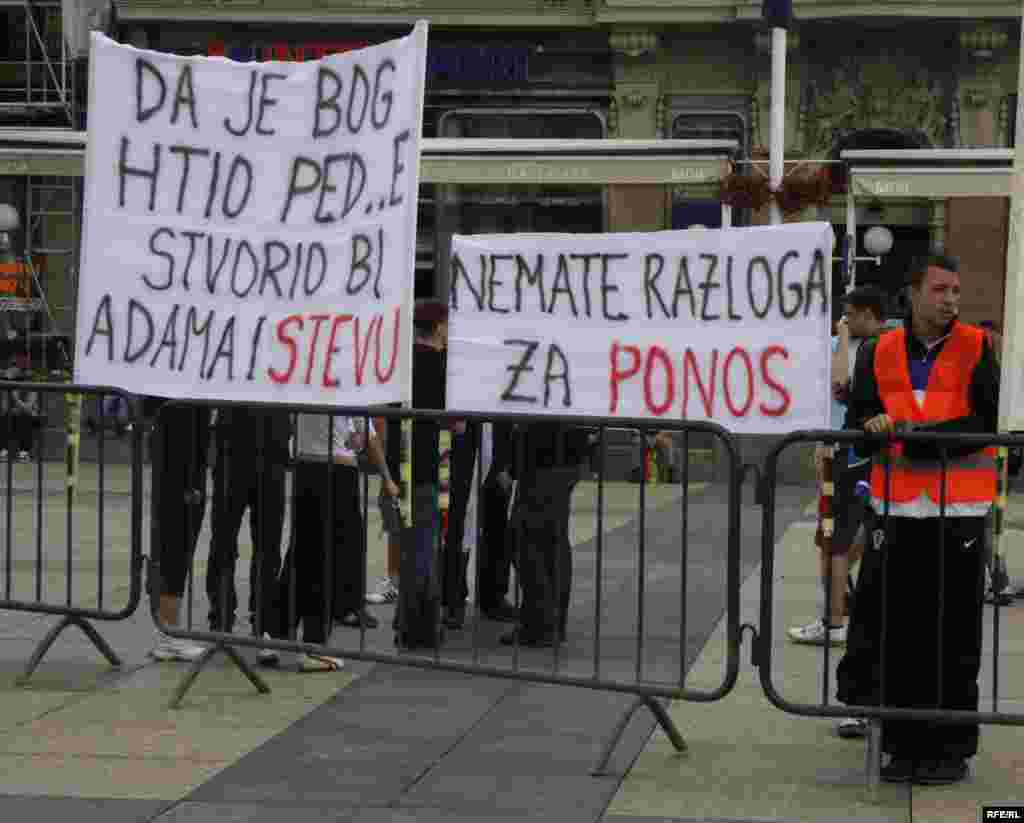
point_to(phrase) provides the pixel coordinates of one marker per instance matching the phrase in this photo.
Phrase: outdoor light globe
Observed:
(9, 218)
(878, 241)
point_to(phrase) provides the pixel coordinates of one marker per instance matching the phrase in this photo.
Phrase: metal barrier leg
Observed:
(666, 723)
(200, 664)
(51, 636)
(663, 718)
(873, 765)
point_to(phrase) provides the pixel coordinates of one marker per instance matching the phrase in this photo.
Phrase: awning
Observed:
(930, 174)
(452, 160)
(575, 162)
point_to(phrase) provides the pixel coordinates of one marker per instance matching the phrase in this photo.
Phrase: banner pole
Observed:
(1010, 371)
(777, 146)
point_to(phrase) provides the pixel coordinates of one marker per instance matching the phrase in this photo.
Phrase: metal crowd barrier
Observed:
(626, 630)
(62, 498)
(764, 650)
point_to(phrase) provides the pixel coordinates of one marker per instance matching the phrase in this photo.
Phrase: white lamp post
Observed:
(778, 14)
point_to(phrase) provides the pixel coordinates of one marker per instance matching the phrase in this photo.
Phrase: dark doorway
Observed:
(909, 242)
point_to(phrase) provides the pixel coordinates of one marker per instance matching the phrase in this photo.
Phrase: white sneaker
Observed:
(24, 457)
(814, 634)
(386, 592)
(320, 663)
(3, 454)
(171, 648)
(267, 657)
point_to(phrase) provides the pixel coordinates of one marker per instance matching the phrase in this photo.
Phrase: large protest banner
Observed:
(250, 228)
(726, 326)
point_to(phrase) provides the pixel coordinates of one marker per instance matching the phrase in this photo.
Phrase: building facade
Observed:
(926, 73)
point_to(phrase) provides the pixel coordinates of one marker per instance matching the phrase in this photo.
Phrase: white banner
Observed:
(250, 229)
(725, 326)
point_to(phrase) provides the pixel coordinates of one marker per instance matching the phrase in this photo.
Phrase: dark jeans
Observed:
(908, 549)
(179, 457)
(327, 583)
(454, 588)
(494, 557)
(17, 432)
(540, 527)
(259, 487)
(426, 525)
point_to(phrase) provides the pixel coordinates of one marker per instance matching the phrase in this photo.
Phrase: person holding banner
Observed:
(179, 444)
(417, 597)
(551, 458)
(495, 556)
(327, 550)
(926, 528)
(252, 448)
(386, 590)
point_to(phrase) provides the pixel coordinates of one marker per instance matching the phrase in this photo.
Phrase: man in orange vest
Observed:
(925, 536)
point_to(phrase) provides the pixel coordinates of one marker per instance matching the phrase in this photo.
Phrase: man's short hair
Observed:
(428, 315)
(939, 261)
(868, 297)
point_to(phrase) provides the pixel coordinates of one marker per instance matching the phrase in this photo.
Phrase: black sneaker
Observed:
(940, 772)
(455, 617)
(898, 770)
(1002, 598)
(361, 619)
(217, 625)
(852, 728)
(528, 640)
(504, 612)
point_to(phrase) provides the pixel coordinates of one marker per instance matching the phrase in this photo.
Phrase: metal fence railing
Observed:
(70, 513)
(944, 600)
(611, 614)
(609, 607)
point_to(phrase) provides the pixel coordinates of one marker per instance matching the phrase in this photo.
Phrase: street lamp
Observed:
(878, 241)
(9, 219)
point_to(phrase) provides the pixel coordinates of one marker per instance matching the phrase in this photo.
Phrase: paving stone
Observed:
(81, 810)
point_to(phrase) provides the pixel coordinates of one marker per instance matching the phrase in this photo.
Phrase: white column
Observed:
(726, 216)
(1011, 403)
(777, 146)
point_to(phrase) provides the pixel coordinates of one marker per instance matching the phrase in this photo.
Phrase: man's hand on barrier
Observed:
(663, 441)
(880, 424)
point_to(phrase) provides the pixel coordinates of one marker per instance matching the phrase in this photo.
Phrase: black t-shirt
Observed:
(428, 392)
(549, 446)
(250, 435)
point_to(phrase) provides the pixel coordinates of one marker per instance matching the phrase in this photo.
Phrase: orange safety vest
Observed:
(971, 479)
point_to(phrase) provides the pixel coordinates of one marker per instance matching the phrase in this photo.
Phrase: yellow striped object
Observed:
(444, 475)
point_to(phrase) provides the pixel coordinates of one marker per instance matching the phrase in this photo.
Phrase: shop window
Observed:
(909, 244)
(705, 125)
(447, 210)
(712, 125)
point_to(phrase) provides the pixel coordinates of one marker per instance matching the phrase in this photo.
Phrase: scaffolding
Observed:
(37, 71)
(40, 178)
